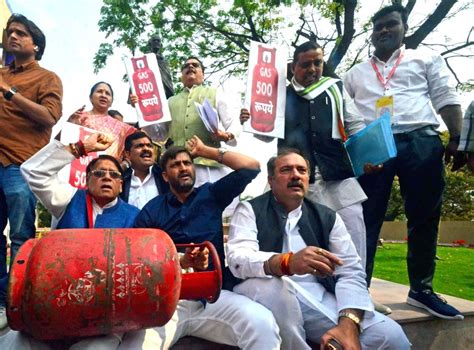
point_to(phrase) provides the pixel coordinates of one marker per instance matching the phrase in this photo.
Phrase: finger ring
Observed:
(315, 271)
(320, 251)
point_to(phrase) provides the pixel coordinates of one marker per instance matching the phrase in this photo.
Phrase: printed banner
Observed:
(145, 82)
(266, 90)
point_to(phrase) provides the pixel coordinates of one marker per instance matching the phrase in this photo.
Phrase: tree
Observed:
(44, 217)
(221, 32)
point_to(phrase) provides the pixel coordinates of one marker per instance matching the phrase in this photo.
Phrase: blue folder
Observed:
(373, 144)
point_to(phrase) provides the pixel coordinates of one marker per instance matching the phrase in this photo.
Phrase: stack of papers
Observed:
(208, 115)
(374, 144)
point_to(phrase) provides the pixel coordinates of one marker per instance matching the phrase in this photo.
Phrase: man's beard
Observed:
(183, 187)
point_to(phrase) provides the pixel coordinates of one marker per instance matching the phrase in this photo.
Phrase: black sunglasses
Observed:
(101, 173)
(191, 64)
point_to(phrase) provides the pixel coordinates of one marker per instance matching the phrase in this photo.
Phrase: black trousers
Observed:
(420, 169)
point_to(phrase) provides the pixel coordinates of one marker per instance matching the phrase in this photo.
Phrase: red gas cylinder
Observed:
(85, 282)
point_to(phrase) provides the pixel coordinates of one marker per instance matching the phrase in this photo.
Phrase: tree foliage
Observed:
(220, 31)
(44, 217)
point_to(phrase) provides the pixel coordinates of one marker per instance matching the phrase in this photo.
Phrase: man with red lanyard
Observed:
(403, 82)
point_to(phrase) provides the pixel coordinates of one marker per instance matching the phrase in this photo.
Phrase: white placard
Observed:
(266, 90)
(145, 82)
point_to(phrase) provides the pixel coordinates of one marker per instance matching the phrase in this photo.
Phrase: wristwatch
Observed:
(221, 150)
(9, 94)
(353, 317)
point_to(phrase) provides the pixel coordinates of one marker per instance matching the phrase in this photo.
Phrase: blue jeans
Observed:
(17, 205)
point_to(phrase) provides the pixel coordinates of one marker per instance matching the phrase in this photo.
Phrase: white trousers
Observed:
(233, 320)
(345, 197)
(298, 322)
(209, 174)
(14, 340)
(353, 218)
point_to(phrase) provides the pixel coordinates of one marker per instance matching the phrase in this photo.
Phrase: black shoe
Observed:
(434, 304)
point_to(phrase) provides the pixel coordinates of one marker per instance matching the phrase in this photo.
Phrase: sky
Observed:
(73, 38)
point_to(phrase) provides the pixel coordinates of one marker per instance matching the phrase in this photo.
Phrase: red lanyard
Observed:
(90, 217)
(392, 72)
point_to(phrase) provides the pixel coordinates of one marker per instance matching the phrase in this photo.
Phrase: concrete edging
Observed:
(449, 231)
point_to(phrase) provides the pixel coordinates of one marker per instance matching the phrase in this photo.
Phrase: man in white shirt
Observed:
(319, 291)
(404, 82)
(143, 180)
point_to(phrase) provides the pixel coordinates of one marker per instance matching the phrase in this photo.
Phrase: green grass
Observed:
(454, 272)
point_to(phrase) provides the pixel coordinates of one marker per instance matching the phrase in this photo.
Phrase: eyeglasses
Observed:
(191, 64)
(101, 173)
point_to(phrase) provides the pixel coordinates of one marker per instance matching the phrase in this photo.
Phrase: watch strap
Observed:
(353, 317)
(221, 154)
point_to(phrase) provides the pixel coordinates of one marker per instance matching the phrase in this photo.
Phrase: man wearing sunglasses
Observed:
(186, 122)
(97, 207)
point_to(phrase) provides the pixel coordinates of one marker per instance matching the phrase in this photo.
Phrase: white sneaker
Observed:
(3, 318)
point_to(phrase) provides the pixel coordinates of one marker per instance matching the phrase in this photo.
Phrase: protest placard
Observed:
(145, 82)
(266, 90)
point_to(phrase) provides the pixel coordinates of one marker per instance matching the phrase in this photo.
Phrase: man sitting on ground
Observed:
(194, 215)
(319, 292)
(72, 206)
(96, 207)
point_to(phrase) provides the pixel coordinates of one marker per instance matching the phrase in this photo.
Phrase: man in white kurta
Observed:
(319, 291)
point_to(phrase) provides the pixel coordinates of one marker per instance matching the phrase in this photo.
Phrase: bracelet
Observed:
(220, 157)
(285, 264)
(81, 148)
(456, 139)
